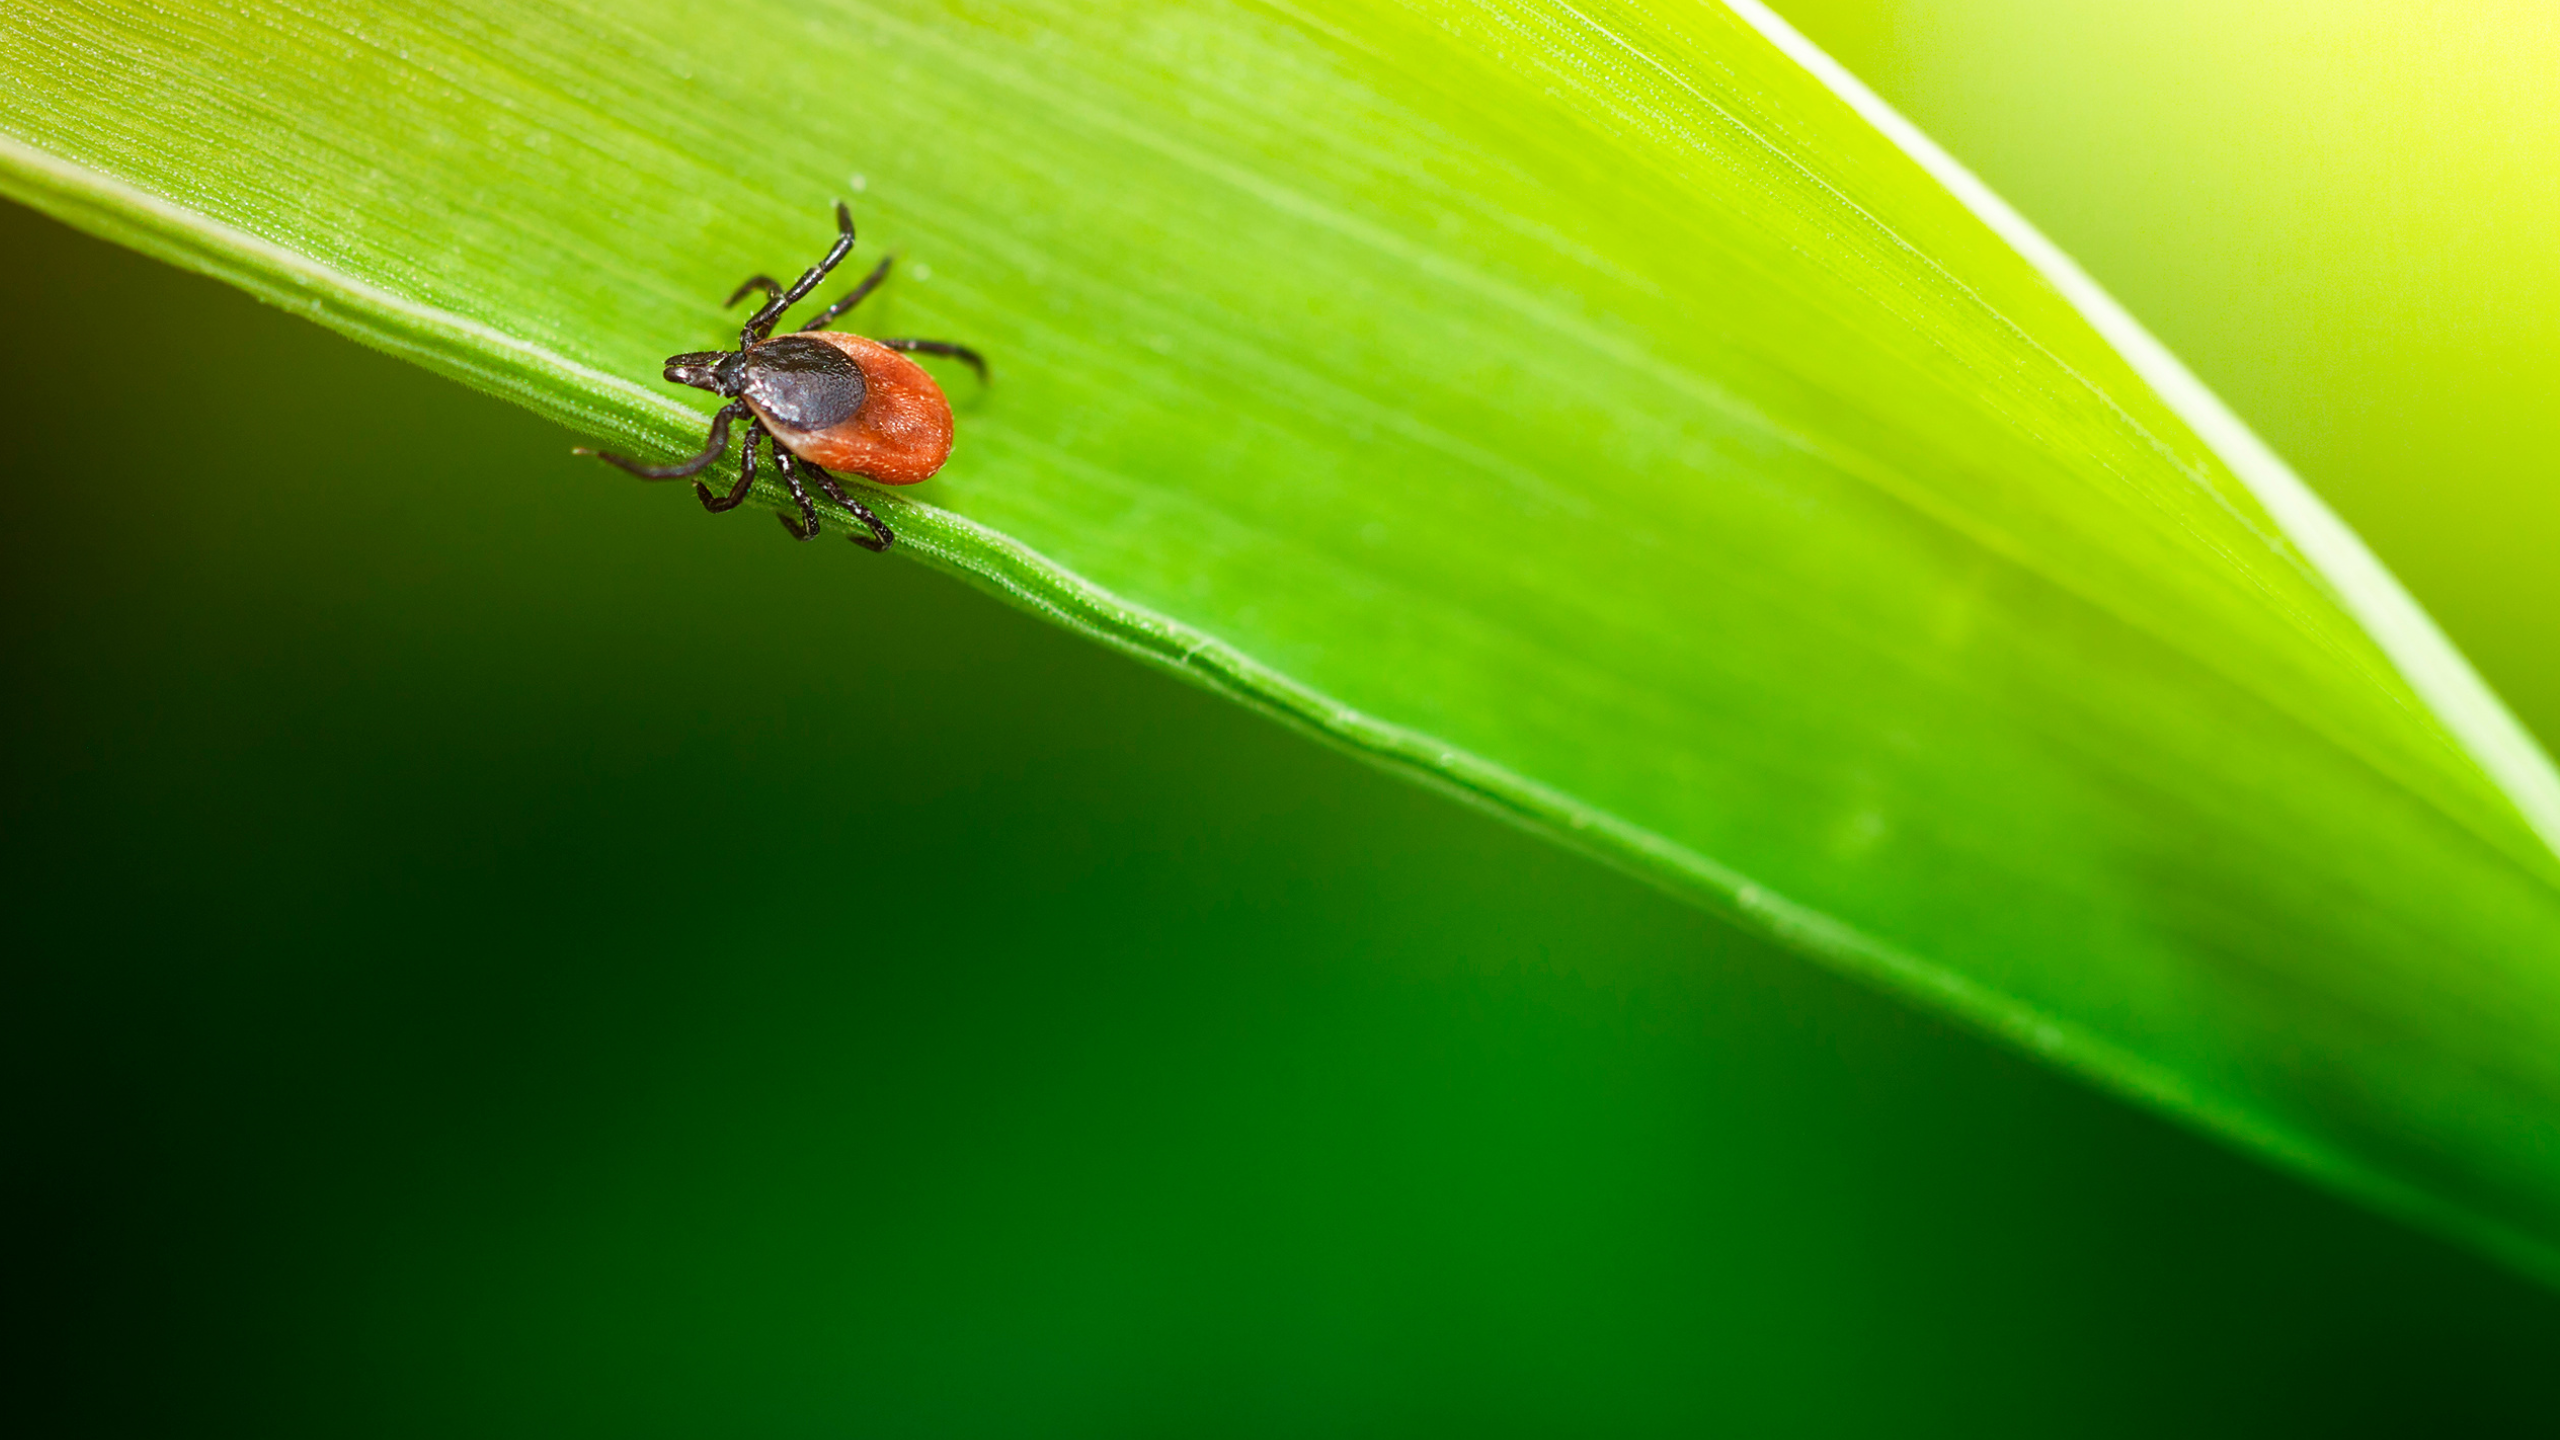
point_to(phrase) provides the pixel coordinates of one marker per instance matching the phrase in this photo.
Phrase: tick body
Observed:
(824, 400)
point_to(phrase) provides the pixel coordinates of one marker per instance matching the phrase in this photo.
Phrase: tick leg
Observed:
(746, 476)
(760, 324)
(869, 283)
(806, 528)
(881, 537)
(711, 448)
(961, 353)
(765, 283)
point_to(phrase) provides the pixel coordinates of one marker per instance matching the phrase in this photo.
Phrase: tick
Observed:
(825, 400)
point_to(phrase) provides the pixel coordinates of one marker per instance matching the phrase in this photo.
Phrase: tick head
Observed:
(714, 370)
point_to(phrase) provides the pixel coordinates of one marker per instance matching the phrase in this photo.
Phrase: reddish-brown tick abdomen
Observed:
(900, 435)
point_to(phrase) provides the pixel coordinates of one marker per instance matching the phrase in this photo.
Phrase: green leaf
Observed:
(1610, 414)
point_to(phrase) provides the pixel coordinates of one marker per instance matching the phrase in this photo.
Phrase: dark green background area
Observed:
(498, 951)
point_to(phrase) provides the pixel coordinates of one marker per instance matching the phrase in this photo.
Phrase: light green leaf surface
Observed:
(1607, 413)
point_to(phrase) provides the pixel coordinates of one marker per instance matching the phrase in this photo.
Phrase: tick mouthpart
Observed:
(699, 369)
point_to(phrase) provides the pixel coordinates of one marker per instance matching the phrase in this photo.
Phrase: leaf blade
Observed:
(1586, 410)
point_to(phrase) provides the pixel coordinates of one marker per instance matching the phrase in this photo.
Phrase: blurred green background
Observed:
(2340, 213)
(499, 951)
